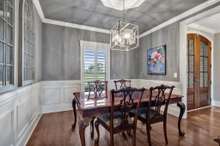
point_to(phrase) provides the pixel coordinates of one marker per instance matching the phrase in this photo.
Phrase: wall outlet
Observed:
(175, 75)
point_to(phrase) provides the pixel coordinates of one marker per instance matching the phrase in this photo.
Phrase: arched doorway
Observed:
(199, 71)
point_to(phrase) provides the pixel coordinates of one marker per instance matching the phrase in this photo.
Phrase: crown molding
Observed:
(181, 16)
(39, 9)
(202, 28)
(73, 25)
(65, 24)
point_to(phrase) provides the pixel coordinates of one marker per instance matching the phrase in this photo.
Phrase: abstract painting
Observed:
(156, 60)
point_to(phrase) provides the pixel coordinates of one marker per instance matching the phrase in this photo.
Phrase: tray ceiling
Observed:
(93, 13)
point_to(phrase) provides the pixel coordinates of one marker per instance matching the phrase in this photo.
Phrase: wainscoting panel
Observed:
(57, 95)
(19, 113)
(6, 126)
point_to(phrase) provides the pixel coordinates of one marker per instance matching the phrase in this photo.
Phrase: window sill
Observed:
(7, 89)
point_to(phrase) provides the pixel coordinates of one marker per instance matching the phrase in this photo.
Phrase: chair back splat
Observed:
(119, 84)
(119, 119)
(160, 96)
(98, 88)
(129, 99)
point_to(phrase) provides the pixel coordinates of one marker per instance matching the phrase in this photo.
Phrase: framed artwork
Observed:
(156, 60)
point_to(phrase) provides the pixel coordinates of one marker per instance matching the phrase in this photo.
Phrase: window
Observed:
(29, 43)
(94, 61)
(6, 44)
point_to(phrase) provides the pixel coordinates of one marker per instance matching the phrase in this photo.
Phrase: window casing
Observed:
(6, 44)
(94, 62)
(28, 43)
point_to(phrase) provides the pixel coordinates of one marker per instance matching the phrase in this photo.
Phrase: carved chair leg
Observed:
(97, 131)
(165, 130)
(217, 140)
(148, 133)
(134, 137)
(82, 127)
(182, 107)
(92, 127)
(129, 133)
(111, 139)
(124, 135)
(75, 114)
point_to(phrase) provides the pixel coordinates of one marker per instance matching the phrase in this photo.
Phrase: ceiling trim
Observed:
(202, 28)
(39, 9)
(66, 24)
(181, 16)
(73, 25)
(90, 28)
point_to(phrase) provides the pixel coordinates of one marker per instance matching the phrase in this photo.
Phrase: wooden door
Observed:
(199, 71)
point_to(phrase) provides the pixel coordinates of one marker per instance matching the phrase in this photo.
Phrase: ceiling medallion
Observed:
(118, 4)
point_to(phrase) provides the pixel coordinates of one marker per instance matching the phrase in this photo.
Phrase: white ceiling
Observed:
(211, 23)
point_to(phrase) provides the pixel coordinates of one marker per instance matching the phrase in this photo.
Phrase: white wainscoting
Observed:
(57, 96)
(216, 103)
(19, 114)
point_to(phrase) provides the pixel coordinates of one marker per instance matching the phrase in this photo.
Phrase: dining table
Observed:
(89, 108)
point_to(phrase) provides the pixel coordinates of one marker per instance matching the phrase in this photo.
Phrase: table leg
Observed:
(217, 140)
(182, 107)
(75, 115)
(92, 127)
(82, 127)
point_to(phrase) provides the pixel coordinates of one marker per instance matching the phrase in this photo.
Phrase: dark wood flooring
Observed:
(201, 128)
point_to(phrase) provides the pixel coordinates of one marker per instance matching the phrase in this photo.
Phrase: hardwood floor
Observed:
(201, 128)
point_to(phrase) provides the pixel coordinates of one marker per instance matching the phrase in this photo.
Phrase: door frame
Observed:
(183, 25)
(207, 36)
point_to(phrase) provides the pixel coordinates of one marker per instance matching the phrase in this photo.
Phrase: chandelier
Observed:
(124, 36)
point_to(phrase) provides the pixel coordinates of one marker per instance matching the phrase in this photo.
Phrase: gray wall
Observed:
(38, 46)
(61, 51)
(123, 65)
(169, 36)
(61, 54)
(216, 71)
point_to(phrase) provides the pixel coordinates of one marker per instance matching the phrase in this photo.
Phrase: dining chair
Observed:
(97, 88)
(75, 104)
(118, 119)
(122, 84)
(153, 112)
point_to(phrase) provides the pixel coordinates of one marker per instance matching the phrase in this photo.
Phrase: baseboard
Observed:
(205, 107)
(55, 108)
(216, 103)
(23, 139)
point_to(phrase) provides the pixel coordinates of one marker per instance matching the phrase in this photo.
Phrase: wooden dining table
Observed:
(89, 108)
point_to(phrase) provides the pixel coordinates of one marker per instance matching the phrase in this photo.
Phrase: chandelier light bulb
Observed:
(127, 35)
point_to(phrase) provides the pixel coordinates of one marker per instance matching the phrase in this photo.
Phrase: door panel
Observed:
(191, 80)
(199, 71)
